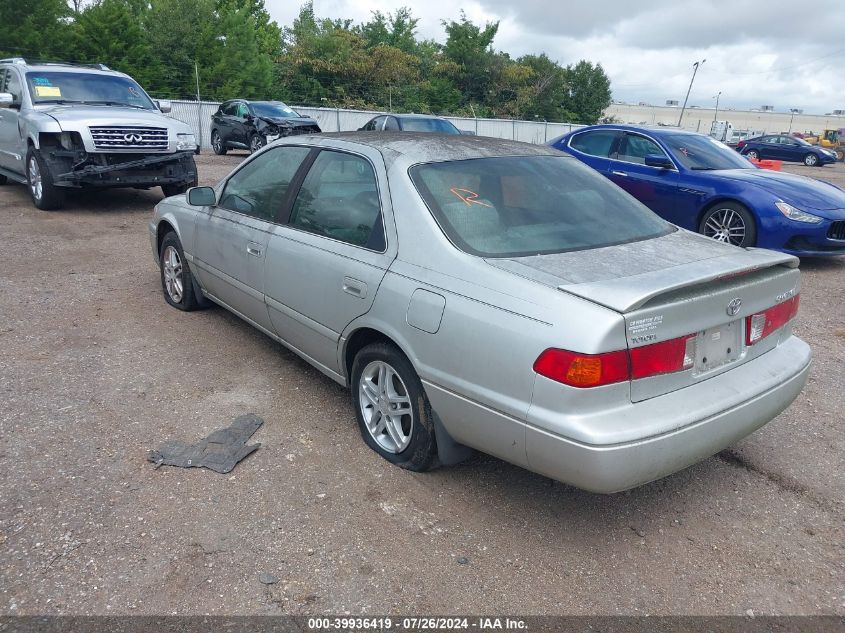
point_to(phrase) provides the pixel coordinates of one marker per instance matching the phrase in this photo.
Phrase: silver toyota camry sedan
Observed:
(475, 293)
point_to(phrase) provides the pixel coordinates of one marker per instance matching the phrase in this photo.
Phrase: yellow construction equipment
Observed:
(829, 139)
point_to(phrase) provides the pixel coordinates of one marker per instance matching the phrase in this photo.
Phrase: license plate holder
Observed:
(718, 346)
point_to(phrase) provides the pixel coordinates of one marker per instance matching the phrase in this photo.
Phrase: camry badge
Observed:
(734, 306)
(132, 139)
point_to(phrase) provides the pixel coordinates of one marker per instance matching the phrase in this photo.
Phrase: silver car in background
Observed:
(475, 292)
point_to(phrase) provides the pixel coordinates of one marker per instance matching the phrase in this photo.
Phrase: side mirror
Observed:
(6, 100)
(201, 197)
(164, 105)
(658, 160)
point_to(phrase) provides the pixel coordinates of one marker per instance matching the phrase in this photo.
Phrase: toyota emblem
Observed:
(132, 139)
(734, 306)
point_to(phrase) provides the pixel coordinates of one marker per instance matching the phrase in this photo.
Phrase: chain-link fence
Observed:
(198, 116)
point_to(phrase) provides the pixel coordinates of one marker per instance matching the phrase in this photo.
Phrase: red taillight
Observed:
(740, 145)
(759, 326)
(677, 354)
(583, 370)
(594, 370)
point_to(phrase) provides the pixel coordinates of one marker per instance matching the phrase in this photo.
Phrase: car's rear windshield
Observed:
(429, 125)
(276, 110)
(90, 88)
(528, 205)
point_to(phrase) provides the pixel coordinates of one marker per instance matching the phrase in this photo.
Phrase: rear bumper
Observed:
(768, 385)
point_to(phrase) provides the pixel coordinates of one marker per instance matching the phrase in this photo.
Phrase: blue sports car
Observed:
(702, 185)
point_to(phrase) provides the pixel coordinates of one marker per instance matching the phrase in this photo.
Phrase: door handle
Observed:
(618, 173)
(354, 287)
(253, 249)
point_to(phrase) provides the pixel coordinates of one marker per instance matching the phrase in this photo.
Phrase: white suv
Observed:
(68, 126)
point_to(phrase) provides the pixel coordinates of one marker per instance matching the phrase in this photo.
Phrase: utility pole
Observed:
(694, 71)
(716, 116)
(199, 103)
(791, 116)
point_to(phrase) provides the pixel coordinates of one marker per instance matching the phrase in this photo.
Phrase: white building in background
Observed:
(700, 119)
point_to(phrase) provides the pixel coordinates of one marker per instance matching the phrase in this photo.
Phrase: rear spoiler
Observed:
(624, 294)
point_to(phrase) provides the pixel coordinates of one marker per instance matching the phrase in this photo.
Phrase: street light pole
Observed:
(791, 116)
(716, 116)
(694, 71)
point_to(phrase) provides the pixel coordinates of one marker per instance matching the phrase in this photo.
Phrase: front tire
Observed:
(811, 160)
(256, 142)
(391, 407)
(217, 143)
(730, 223)
(177, 281)
(45, 195)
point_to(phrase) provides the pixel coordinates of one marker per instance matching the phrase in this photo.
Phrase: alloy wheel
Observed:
(753, 155)
(35, 179)
(810, 160)
(256, 144)
(215, 142)
(172, 265)
(726, 225)
(386, 406)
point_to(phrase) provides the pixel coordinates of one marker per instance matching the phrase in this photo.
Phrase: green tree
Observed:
(470, 47)
(34, 28)
(183, 33)
(109, 32)
(243, 69)
(588, 94)
(393, 29)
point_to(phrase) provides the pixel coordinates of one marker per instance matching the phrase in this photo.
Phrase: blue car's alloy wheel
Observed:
(729, 223)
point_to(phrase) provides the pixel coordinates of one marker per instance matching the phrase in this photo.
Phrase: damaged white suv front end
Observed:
(65, 126)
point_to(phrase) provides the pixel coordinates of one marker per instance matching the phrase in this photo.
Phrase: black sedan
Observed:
(783, 147)
(410, 123)
(243, 124)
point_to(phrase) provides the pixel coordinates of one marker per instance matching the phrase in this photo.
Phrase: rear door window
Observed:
(596, 143)
(339, 199)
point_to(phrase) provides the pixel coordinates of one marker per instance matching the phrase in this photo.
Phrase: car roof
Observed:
(425, 147)
(652, 131)
(411, 115)
(65, 68)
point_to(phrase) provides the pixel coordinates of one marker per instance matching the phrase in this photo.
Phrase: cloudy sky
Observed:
(758, 51)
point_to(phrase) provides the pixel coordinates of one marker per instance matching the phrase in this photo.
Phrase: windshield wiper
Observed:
(114, 103)
(59, 101)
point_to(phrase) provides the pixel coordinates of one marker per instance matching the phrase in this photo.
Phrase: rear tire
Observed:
(45, 195)
(753, 154)
(177, 281)
(811, 160)
(393, 412)
(731, 223)
(217, 143)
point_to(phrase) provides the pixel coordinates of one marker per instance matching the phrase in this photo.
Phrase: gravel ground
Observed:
(96, 369)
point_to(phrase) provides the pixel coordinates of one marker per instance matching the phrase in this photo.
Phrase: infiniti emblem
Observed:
(132, 139)
(734, 306)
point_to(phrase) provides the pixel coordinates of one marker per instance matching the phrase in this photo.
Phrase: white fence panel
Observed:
(198, 116)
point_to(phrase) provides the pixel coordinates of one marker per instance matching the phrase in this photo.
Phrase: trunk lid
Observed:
(678, 285)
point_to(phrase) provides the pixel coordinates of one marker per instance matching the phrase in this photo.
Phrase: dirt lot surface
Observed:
(96, 369)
